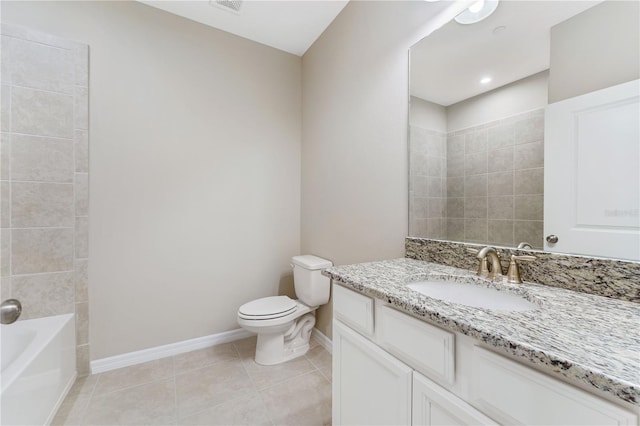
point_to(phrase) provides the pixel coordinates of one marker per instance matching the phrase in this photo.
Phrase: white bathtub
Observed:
(38, 368)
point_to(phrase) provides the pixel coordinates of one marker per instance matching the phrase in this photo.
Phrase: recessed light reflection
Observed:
(485, 80)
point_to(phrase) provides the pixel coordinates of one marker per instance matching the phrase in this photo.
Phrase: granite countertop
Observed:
(588, 339)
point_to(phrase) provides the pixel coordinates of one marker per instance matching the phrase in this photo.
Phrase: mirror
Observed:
(477, 118)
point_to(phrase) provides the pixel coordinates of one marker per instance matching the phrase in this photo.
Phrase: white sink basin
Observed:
(472, 295)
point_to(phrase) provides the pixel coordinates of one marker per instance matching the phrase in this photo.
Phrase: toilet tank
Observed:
(312, 288)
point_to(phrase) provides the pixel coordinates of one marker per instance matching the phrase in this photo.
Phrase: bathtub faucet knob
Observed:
(10, 311)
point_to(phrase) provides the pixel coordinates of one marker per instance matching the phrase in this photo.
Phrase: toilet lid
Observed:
(267, 308)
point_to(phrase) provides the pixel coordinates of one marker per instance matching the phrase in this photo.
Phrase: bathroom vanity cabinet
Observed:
(392, 368)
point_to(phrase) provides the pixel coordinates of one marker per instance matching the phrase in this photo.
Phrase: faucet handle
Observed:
(472, 250)
(513, 274)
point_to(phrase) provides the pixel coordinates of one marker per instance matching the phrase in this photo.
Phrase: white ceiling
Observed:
(291, 26)
(446, 67)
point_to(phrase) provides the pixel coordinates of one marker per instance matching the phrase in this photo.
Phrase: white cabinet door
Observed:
(592, 173)
(432, 405)
(370, 387)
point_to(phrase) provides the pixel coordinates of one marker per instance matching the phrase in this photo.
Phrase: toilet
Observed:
(284, 325)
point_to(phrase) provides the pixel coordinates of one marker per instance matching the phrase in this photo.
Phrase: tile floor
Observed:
(221, 385)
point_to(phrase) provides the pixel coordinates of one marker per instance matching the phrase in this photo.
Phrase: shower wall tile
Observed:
(5, 206)
(83, 360)
(45, 142)
(5, 155)
(455, 229)
(81, 149)
(455, 187)
(82, 194)
(475, 163)
(40, 66)
(475, 207)
(500, 136)
(82, 237)
(500, 183)
(81, 65)
(530, 129)
(530, 231)
(81, 280)
(500, 160)
(528, 156)
(500, 207)
(502, 165)
(475, 186)
(528, 207)
(41, 250)
(81, 108)
(82, 323)
(5, 251)
(5, 288)
(530, 181)
(475, 229)
(41, 205)
(455, 207)
(44, 294)
(36, 112)
(500, 232)
(42, 159)
(5, 110)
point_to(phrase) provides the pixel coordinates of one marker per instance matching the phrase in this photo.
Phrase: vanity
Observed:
(402, 357)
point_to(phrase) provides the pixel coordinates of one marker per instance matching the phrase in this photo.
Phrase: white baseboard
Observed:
(323, 340)
(151, 354)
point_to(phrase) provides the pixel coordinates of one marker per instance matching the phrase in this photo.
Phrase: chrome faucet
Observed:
(496, 268)
(10, 310)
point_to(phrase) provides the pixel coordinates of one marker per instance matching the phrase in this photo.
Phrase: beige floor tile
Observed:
(134, 375)
(304, 400)
(200, 389)
(203, 357)
(153, 403)
(246, 347)
(247, 410)
(319, 357)
(72, 410)
(264, 376)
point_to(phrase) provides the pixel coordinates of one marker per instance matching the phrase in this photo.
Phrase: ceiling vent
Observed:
(228, 5)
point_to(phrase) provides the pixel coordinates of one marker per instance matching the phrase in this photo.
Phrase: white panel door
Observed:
(592, 173)
(370, 387)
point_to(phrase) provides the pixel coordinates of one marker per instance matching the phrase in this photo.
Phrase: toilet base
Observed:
(276, 348)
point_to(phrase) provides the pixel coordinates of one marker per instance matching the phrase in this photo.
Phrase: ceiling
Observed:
(446, 67)
(291, 26)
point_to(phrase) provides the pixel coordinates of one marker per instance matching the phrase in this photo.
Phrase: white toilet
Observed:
(284, 325)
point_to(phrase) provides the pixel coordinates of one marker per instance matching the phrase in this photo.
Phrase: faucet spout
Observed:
(491, 253)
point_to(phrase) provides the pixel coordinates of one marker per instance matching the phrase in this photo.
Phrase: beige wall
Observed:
(526, 94)
(595, 49)
(427, 115)
(354, 151)
(195, 170)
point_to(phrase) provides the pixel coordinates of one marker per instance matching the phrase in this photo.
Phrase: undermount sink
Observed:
(472, 295)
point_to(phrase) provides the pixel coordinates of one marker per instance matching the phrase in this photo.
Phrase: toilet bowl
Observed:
(284, 325)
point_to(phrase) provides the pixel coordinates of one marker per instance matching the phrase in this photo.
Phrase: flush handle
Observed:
(552, 239)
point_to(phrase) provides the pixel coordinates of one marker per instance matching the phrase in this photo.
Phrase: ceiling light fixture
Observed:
(485, 80)
(477, 12)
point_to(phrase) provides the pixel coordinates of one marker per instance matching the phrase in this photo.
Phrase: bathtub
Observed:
(38, 360)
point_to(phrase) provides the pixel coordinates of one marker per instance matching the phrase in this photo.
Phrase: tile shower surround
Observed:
(616, 279)
(44, 178)
(484, 185)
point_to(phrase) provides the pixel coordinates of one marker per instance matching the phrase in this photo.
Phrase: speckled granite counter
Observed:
(588, 339)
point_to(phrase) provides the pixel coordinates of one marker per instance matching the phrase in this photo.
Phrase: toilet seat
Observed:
(267, 308)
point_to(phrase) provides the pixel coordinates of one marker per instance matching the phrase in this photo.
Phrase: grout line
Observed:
(41, 136)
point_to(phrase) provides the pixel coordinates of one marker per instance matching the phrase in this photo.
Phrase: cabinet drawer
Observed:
(514, 394)
(353, 309)
(425, 347)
